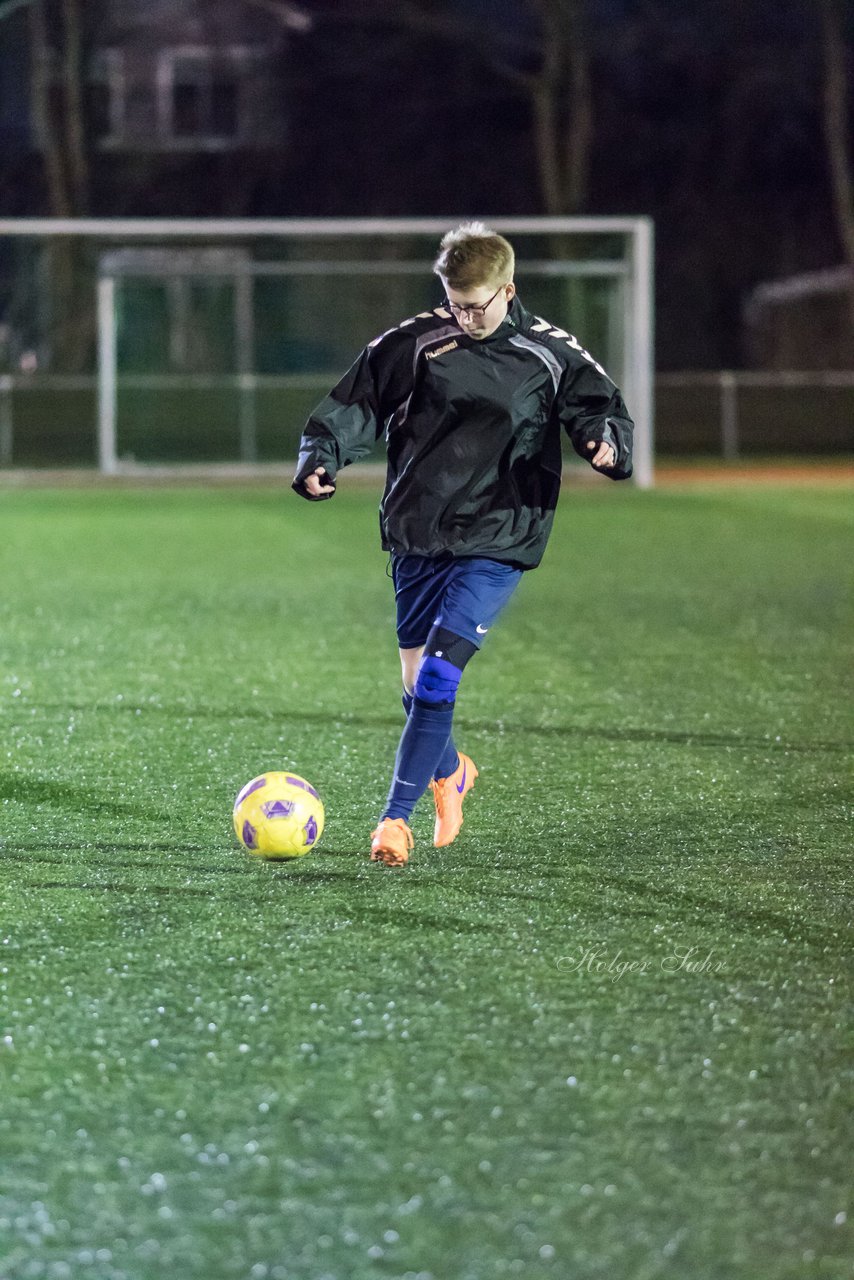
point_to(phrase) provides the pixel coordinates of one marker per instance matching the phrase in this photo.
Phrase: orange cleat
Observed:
(391, 842)
(448, 796)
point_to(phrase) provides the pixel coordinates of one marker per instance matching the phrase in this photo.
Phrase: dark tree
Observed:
(838, 126)
(57, 100)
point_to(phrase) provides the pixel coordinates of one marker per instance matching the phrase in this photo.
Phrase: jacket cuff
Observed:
(610, 434)
(309, 460)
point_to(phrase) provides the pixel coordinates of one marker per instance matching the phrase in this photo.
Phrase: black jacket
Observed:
(472, 431)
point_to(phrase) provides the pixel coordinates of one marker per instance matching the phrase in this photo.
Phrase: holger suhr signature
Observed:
(616, 964)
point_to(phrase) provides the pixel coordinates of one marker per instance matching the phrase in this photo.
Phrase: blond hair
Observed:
(472, 255)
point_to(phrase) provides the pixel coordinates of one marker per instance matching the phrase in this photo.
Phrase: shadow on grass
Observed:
(115, 886)
(365, 912)
(678, 737)
(41, 853)
(98, 846)
(65, 795)
(759, 921)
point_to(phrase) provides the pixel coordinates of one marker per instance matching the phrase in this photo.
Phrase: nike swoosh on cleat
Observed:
(463, 783)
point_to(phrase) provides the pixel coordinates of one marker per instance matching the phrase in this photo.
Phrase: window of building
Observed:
(199, 94)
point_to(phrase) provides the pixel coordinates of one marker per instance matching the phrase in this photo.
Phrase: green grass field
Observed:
(605, 1036)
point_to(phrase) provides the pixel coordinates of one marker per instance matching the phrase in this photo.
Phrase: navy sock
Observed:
(422, 745)
(450, 760)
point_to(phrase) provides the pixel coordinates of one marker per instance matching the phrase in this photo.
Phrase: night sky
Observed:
(705, 116)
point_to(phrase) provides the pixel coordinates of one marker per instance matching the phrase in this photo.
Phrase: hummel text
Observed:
(440, 351)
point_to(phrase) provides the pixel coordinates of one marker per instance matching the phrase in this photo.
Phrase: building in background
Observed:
(186, 75)
(161, 77)
(803, 322)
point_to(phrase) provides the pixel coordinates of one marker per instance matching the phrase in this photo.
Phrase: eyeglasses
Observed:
(475, 313)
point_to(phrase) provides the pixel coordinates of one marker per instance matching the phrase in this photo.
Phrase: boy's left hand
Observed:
(604, 455)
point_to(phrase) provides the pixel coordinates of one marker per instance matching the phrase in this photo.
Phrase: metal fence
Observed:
(51, 420)
(732, 414)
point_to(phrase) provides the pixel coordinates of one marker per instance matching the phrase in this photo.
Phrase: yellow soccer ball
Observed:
(278, 815)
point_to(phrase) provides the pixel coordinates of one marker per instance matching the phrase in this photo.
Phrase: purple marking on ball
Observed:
(249, 836)
(300, 782)
(277, 808)
(310, 830)
(254, 785)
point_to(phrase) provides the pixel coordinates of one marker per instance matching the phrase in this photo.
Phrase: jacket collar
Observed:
(517, 319)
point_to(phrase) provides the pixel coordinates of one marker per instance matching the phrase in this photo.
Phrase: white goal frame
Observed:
(636, 267)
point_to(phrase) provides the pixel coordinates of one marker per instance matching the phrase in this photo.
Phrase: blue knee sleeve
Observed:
(437, 681)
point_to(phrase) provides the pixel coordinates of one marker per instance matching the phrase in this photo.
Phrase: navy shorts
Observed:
(463, 595)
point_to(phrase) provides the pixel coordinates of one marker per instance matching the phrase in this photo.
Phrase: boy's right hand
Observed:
(318, 484)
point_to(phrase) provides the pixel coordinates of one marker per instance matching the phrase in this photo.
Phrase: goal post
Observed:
(214, 337)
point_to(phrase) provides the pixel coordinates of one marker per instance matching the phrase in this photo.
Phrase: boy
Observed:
(472, 397)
